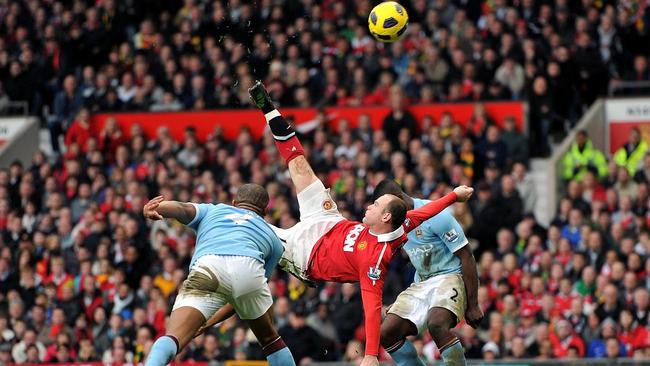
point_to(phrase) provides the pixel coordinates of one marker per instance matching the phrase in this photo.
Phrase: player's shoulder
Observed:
(445, 216)
(208, 206)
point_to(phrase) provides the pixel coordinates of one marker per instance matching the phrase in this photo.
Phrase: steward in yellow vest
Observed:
(583, 157)
(631, 154)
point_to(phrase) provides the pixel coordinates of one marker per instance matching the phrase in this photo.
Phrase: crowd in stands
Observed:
(110, 55)
(84, 277)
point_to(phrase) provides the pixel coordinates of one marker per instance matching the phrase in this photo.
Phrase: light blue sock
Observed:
(407, 355)
(283, 357)
(454, 355)
(162, 352)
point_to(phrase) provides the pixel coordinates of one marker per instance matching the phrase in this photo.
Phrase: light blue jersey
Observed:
(227, 230)
(431, 246)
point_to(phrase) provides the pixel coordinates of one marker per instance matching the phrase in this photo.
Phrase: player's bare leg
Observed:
(440, 322)
(274, 348)
(394, 331)
(286, 141)
(183, 324)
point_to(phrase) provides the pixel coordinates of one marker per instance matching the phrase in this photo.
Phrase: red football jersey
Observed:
(351, 253)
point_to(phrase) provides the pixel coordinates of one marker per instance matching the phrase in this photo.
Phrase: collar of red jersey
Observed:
(393, 235)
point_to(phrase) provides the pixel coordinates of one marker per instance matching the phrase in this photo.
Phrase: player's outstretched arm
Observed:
(285, 138)
(473, 313)
(371, 297)
(418, 216)
(157, 209)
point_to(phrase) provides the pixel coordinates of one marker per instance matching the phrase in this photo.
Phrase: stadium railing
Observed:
(629, 87)
(14, 108)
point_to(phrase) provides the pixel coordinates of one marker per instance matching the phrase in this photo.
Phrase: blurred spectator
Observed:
(525, 187)
(564, 339)
(486, 210)
(583, 157)
(345, 316)
(321, 322)
(79, 131)
(304, 342)
(541, 116)
(399, 118)
(491, 351)
(516, 142)
(510, 203)
(511, 74)
(20, 351)
(492, 151)
(630, 155)
(66, 105)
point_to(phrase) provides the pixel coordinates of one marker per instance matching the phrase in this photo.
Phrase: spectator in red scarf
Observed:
(58, 276)
(57, 325)
(632, 334)
(564, 338)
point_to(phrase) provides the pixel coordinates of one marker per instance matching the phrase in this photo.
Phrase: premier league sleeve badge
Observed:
(374, 274)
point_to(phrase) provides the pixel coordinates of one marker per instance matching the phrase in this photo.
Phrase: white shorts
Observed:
(444, 291)
(216, 280)
(318, 215)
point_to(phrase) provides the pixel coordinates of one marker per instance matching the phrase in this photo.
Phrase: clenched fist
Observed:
(463, 193)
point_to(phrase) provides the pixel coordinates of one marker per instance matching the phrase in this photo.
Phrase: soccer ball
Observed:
(388, 21)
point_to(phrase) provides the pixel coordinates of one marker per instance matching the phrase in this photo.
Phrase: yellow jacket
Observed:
(576, 163)
(633, 160)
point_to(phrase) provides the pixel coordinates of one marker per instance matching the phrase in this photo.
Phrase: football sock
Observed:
(453, 353)
(285, 137)
(278, 354)
(163, 351)
(406, 355)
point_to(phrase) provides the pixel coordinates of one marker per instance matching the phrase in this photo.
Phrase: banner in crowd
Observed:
(9, 127)
(622, 116)
(232, 121)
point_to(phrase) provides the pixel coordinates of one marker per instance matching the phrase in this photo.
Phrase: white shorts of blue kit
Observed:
(216, 280)
(443, 291)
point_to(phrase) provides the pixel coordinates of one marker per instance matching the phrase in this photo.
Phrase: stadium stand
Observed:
(83, 277)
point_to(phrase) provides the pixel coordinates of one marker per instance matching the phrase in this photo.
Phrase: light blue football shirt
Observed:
(431, 246)
(226, 230)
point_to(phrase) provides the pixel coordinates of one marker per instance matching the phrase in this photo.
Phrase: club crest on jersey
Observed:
(418, 233)
(362, 245)
(328, 205)
(451, 235)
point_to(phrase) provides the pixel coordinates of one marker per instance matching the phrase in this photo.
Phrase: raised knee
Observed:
(437, 328)
(388, 337)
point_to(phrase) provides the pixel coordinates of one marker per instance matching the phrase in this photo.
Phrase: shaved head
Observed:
(253, 196)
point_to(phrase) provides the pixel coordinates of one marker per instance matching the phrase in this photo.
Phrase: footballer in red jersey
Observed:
(324, 246)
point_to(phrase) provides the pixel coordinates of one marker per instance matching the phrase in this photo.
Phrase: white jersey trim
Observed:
(460, 246)
(196, 213)
(396, 234)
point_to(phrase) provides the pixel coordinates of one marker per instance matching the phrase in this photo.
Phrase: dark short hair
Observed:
(253, 194)
(397, 209)
(387, 186)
